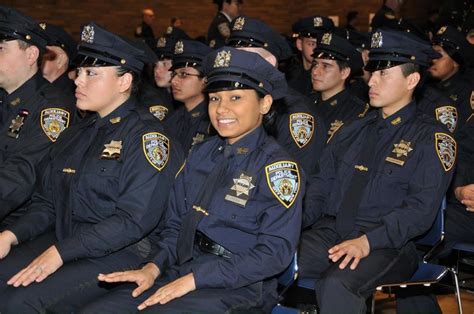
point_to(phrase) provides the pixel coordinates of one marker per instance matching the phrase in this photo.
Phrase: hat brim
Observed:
(377, 65)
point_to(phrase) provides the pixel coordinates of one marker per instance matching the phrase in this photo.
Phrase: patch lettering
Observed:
(283, 179)
(159, 112)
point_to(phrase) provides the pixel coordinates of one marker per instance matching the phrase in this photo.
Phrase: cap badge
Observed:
(239, 24)
(326, 39)
(179, 48)
(43, 26)
(318, 22)
(87, 34)
(222, 59)
(442, 30)
(161, 43)
(169, 30)
(377, 40)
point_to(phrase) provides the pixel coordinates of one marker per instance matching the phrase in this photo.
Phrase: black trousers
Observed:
(346, 291)
(71, 286)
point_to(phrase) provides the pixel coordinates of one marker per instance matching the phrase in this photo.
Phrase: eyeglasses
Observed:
(183, 75)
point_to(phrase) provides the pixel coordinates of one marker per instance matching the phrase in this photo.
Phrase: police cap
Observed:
(228, 68)
(312, 26)
(189, 53)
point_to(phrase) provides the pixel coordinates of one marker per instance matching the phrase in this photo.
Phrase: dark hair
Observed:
(410, 68)
(24, 45)
(135, 79)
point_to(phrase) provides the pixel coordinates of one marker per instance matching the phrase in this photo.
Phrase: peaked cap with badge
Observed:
(164, 47)
(454, 43)
(58, 37)
(189, 53)
(312, 26)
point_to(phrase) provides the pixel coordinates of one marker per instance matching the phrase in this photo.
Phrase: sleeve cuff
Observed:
(70, 249)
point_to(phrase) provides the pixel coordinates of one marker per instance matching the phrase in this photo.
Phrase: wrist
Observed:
(10, 237)
(152, 269)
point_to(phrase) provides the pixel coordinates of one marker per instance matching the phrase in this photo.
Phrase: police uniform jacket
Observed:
(339, 109)
(298, 78)
(255, 213)
(413, 163)
(437, 105)
(106, 185)
(32, 118)
(189, 127)
(156, 102)
(218, 31)
(66, 86)
(385, 16)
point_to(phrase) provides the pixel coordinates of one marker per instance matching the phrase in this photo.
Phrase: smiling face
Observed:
(236, 113)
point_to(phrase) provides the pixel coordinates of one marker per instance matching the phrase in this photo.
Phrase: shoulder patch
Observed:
(283, 179)
(446, 149)
(224, 29)
(156, 148)
(301, 128)
(447, 115)
(335, 126)
(159, 112)
(53, 122)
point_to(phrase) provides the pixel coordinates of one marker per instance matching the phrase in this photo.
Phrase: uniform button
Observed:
(103, 169)
(389, 171)
(233, 216)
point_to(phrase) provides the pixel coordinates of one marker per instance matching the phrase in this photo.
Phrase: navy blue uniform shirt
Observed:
(106, 185)
(414, 160)
(255, 213)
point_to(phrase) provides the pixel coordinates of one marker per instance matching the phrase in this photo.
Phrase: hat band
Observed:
(246, 42)
(236, 75)
(86, 50)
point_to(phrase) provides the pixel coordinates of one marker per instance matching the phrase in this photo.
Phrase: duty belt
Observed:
(208, 246)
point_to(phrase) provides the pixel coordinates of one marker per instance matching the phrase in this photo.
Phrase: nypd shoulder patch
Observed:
(159, 112)
(54, 121)
(301, 128)
(447, 115)
(283, 179)
(156, 148)
(446, 149)
(224, 29)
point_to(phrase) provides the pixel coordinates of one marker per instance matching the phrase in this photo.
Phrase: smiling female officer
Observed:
(104, 189)
(236, 226)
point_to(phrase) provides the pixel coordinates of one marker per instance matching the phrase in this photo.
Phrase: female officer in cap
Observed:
(103, 191)
(190, 123)
(234, 214)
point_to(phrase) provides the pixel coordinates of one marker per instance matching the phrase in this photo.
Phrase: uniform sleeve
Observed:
(143, 192)
(426, 188)
(276, 244)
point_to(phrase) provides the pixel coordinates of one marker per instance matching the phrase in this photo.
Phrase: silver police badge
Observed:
(240, 191)
(446, 150)
(222, 59)
(239, 24)
(326, 39)
(159, 112)
(447, 115)
(301, 128)
(169, 30)
(53, 122)
(156, 148)
(377, 40)
(283, 178)
(317, 22)
(442, 30)
(87, 34)
(161, 43)
(178, 48)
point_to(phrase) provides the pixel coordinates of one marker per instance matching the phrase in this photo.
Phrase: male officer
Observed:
(335, 60)
(306, 30)
(295, 126)
(219, 29)
(381, 182)
(32, 112)
(145, 30)
(448, 70)
(57, 60)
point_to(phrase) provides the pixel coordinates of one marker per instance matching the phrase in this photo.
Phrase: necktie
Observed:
(345, 219)
(192, 218)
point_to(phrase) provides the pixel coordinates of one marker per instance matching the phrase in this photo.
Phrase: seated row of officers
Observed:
(113, 199)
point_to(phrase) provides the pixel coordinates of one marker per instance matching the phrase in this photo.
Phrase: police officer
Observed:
(219, 29)
(103, 191)
(190, 123)
(32, 112)
(448, 70)
(358, 84)
(57, 60)
(145, 30)
(381, 183)
(335, 59)
(175, 31)
(306, 31)
(299, 130)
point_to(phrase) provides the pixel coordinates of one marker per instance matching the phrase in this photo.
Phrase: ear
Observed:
(125, 82)
(32, 55)
(345, 73)
(299, 44)
(266, 104)
(413, 80)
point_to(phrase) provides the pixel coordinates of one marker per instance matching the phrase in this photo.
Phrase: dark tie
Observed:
(200, 208)
(346, 216)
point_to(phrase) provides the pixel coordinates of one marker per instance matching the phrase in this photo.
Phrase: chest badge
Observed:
(198, 138)
(53, 122)
(301, 128)
(112, 150)
(448, 115)
(446, 150)
(400, 153)
(17, 123)
(283, 179)
(240, 191)
(335, 126)
(156, 148)
(159, 112)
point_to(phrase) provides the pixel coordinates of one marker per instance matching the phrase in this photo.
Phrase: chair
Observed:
(285, 280)
(460, 247)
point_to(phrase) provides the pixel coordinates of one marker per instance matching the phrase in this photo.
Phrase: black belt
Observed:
(208, 246)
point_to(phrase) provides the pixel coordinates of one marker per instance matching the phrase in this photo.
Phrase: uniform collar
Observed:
(338, 98)
(226, 16)
(450, 81)
(23, 95)
(118, 114)
(245, 145)
(400, 117)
